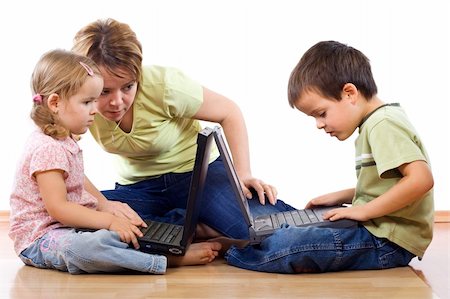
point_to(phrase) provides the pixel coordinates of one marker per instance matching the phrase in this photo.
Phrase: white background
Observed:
(246, 51)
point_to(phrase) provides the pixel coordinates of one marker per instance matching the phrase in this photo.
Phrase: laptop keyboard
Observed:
(294, 218)
(163, 232)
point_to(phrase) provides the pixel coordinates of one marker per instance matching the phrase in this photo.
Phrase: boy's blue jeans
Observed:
(315, 249)
(165, 197)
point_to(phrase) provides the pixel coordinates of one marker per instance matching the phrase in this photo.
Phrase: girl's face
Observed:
(337, 118)
(117, 96)
(77, 113)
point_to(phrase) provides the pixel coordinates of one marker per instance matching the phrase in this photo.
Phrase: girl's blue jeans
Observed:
(101, 251)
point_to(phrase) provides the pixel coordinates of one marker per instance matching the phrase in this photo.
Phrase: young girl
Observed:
(52, 196)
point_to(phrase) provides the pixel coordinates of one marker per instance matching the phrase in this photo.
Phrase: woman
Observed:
(150, 117)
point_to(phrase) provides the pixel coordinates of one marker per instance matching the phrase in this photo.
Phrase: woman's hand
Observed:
(121, 210)
(265, 191)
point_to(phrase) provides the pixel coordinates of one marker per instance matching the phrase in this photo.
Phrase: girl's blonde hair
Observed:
(61, 72)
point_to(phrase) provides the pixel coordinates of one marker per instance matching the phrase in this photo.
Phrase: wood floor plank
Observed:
(217, 280)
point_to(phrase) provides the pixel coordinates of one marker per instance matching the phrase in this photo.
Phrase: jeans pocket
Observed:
(392, 255)
(27, 261)
(29, 258)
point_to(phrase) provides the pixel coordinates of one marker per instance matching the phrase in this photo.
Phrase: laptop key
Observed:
(312, 216)
(176, 230)
(151, 229)
(160, 232)
(274, 219)
(166, 235)
(144, 229)
(298, 221)
(289, 218)
(173, 234)
(281, 218)
(304, 217)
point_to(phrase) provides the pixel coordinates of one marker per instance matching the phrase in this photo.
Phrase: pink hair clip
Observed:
(37, 99)
(87, 68)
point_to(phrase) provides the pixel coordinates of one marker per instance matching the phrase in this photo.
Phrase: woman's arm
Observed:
(219, 109)
(116, 208)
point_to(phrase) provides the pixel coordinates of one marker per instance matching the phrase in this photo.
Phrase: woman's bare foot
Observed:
(228, 242)
(197, 254)
(204, 232)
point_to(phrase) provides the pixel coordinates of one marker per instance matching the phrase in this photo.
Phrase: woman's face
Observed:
(117, 96)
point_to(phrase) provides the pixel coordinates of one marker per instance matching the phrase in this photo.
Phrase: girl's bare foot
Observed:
(197, 254)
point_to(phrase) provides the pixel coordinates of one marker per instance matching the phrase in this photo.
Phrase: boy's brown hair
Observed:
(326, 67)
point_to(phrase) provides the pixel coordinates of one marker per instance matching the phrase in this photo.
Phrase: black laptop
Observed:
(262, 226)
(167, 238)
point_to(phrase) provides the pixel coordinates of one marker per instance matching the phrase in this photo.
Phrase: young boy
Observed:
(393, 197)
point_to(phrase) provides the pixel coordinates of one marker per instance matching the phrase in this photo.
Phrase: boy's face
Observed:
(337, 118)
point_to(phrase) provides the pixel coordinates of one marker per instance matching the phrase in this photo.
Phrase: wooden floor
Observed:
(428, 278)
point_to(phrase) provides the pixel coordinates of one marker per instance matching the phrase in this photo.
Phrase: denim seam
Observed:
(280, 254)
(339, 249)
(70, 267)
(157, 264)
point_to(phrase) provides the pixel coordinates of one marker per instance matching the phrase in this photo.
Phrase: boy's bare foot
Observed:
(197, 254)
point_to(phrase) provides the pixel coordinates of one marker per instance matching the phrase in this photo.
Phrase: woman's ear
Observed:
(350, 92)
(53, 102)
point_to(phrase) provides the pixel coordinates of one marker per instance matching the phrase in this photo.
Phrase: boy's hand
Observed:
(127, 230)
(324, 200)
(353, 212)
(332, 199)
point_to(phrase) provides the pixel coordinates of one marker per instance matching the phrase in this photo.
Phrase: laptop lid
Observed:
(163, 241)
(262, 225)
(232, 176)
(204, 141)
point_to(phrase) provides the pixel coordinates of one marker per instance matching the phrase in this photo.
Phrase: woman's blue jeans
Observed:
(165, 198)
(288, 250)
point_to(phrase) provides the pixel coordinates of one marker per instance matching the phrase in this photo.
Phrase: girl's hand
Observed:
(128, 230)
